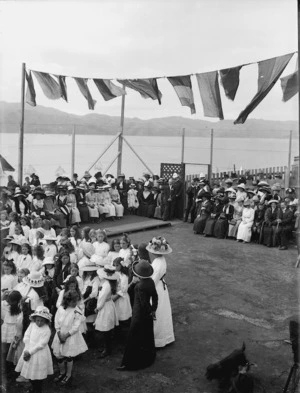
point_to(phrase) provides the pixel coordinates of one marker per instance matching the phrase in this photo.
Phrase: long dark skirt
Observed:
(269, 235)
(209, 226)
(221, 229)
(84, 213)
(140, 348)
(146, 210)
(199, 224)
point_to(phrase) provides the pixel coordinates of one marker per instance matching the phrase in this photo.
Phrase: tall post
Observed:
(182, 145)
(120, 144)
(288, 170)
(73, 150)
(21, 132)
(298, 182)
(211, 154)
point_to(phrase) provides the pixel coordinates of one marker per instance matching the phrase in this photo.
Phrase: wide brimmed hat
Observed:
(263, 183)
(276, 187)
(89, 267)
(106, 187)
(50, 237)
(48, 261)
(250, 192)
(132, 185)
(98, 260)
(49, 193)
(273, 201)
(142, 269)
(88, 249)
(87, 175)
(148, 184)
(9, 237)
(39, 191)
(266, 189)
(71, 188)
(159, 245)
(34, 279)
(140, 180)
(15, 241)
(41, 311)
(202, 176)
(241, 185)
(81, 186)
(109, 273)
(18, 192)
(92, 180)
(228, 181)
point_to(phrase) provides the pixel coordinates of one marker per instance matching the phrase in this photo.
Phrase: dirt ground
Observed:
(223, 293)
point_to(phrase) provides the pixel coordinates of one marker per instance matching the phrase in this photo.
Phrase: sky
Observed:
(140, 39)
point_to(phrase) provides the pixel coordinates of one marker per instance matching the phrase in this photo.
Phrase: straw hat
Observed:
(81, 186)
(88, 249)
(175, 175)
(87, 175)
(99, 261)
(71, 188)
(242, 185)
(49, 193)
(142, 269)
(48, 261)
(273, 201)
(8, 237)
(140, 180)
(50, 237)
(109, 273)
(263, 183)
(15, 241)
(39, 191)
(228, 181)
(92, 180)
(41, 311)
(18, 192)
(34, 279)
(90, 267)
(159, 245)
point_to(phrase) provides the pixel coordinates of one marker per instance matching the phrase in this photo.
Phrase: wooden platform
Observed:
(130, 224)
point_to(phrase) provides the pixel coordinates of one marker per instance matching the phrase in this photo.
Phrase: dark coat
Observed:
(271, 217)
(286, 217)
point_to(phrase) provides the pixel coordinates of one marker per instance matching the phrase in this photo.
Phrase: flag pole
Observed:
(120, 143)
(298, 180)
(211, 154)
(73, 150)
(21, 131)
(182, 145)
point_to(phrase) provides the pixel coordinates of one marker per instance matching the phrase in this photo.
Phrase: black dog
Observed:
(227, 368)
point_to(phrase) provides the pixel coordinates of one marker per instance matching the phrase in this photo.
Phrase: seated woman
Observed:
(81, 203)
(115, 199)
(244, 231)
(91, 200)
(214, 215)
(108, 203)
(270, 224)
(203, 213)
(60, 204)
(221, 225)
(259, 217)
(237, 218)
(20, 205)
(146, 201)
(74, 217)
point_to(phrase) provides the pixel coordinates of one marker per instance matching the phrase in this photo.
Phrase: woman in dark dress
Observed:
(203, 213)
(81, 203)
(146, 202)
(140, 348)
(270, 223)
(221, 226)
(211, 221)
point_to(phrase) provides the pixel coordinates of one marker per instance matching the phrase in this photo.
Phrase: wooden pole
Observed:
(288, 171)
(21, 133)
(120, 144)
(298, 182)
(182, 145)
(211, 154)
(73, 150)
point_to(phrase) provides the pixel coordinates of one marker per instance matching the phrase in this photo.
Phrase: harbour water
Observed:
(46, 153)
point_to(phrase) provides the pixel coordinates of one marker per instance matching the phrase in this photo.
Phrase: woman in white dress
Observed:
(106, 311)
(91, 201)
(108, 203)
(163, 326)
(72, 205)
(237, 218)
(244, 231)
(121, 298)
(115, 199)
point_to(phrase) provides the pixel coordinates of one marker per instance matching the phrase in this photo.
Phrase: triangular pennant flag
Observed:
(83, 87)
(230, 79)
(183, 88)
(146, 87)
(210, 94)
(63, 87)
(30, 92)
(290, 85)
(108, 90)
(269, 72)
(50, 87)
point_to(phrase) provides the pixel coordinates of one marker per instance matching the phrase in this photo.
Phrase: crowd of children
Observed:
(69, 293)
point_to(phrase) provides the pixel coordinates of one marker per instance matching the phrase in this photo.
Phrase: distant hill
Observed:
(52, 121)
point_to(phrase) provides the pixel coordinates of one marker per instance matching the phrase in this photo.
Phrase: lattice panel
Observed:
(167, 170)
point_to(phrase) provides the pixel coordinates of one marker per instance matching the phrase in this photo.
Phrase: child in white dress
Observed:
(121, 298)
(25, 259)
(107, 319)
(132, 199)
(35, 363)
(9, 278)
(101, 246)
(68, 341)
(114, 252)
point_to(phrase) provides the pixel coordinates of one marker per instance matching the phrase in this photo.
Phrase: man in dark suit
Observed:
(75, 182)
(177, 204)
(170, 201)
(285, 221)
(122, 187)
(190, 199)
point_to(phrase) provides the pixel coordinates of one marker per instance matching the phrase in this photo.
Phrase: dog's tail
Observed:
(243, 346)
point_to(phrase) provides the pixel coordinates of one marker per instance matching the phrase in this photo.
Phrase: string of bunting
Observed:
(269, 71)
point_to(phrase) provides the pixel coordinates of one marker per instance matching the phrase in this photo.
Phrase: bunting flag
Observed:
(30, 92)
(108, 90)
(83, 87)
(269, 72)
(147, 88)
(210, 94)
(50, 87)
(230, 79)
(63, 87)
(290, 85)
(183, 88)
